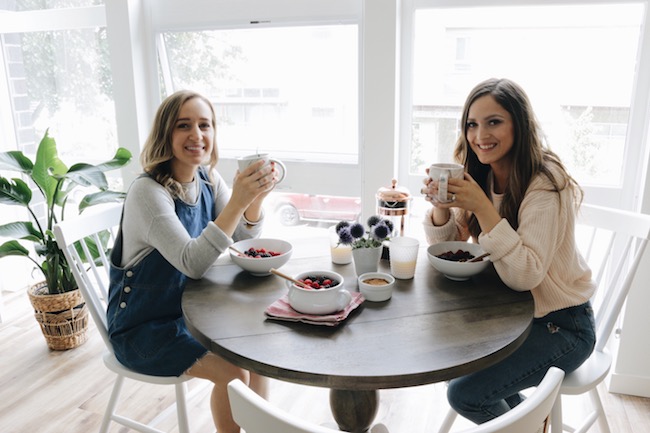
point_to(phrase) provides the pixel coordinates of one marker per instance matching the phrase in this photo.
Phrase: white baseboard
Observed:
(629, 385)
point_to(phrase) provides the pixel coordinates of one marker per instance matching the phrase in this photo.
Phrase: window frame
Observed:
(170, 15)
(628, 196)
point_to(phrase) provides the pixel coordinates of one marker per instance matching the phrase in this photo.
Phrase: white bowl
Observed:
(376, 292)
(261, 266)
(318, 301)
(458, 271)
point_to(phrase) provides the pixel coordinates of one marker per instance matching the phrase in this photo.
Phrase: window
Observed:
(576, 62)
(288, 90)
(292, 91)
(60, 80)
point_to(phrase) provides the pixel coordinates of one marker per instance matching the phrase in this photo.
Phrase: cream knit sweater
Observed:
(540, 256)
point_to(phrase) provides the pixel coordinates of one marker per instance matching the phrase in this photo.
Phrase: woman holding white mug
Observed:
(518, 201)
(179, 216)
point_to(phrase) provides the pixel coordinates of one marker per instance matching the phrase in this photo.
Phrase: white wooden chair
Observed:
(93, 283)
(256, 415)
(614, 264)
(613, 242)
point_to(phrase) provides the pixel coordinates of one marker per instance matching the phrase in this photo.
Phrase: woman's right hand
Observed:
(249, 187)
(439, 215)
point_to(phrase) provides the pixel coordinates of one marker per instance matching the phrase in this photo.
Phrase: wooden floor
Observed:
(43, 391)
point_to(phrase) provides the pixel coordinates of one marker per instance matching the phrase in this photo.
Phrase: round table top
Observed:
(432, 329)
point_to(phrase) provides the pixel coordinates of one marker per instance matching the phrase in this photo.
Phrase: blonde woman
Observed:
(178, 217)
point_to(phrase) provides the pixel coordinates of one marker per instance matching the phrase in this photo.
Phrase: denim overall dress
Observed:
(145, 321)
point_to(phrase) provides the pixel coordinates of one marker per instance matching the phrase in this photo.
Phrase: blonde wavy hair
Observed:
(157, 153)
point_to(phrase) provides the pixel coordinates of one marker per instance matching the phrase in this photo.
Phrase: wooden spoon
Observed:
(479, 258)
(293, 280)
(237, 251)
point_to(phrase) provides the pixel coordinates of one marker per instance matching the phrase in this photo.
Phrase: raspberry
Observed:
(319, 282)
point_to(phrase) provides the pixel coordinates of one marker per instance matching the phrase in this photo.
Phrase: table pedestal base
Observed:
(354, 411)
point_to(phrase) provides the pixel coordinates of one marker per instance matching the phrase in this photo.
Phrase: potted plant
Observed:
(58, 304)
(366, 244)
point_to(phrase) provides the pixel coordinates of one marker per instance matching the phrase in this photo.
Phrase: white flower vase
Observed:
(366, 259)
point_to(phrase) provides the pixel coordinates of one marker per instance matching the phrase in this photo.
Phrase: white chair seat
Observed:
(111, 362)
(590, 374)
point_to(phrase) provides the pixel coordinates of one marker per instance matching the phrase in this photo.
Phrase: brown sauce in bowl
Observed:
(376, 281)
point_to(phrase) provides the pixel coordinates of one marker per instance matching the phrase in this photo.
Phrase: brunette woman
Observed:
(520, 203)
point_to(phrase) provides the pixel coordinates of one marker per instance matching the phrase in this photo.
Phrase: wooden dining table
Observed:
(432, 329)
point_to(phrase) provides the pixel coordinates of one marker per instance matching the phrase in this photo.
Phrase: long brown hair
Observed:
(157, 153)
(530, 154)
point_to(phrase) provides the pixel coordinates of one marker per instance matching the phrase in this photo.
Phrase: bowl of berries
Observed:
(319, 292)
(259, 256)
(454, 259)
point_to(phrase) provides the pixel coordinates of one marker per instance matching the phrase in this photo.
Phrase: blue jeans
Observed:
(563, 339)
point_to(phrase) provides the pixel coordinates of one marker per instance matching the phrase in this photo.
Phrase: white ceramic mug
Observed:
(318, 301)
(443, 171)
(245, 161)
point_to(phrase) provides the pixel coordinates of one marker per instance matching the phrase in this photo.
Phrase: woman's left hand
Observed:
(267, 182)
(255, 182)
(466, 194)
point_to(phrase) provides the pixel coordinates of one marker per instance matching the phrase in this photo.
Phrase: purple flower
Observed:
(340, 225)
(380, 230)
(344, 235)
(357, 231)
(373, 220)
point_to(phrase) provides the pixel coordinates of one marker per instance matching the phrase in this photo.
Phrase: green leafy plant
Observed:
(55, 181)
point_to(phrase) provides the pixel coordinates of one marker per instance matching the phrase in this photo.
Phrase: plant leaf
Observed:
(86, 175)
(21, 230)
(14, 193)
(121, 158)
(47, 166)
(101, 198)
(13, 248)
(15, 160)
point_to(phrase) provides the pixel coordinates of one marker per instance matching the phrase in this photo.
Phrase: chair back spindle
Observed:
(613, 251)
(93, 231)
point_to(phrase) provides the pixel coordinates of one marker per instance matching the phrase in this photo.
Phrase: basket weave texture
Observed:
(63, 318)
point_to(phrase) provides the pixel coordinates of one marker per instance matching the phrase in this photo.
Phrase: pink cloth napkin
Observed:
(281, 310)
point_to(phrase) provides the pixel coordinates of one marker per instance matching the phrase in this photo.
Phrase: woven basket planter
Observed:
(63, 318)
